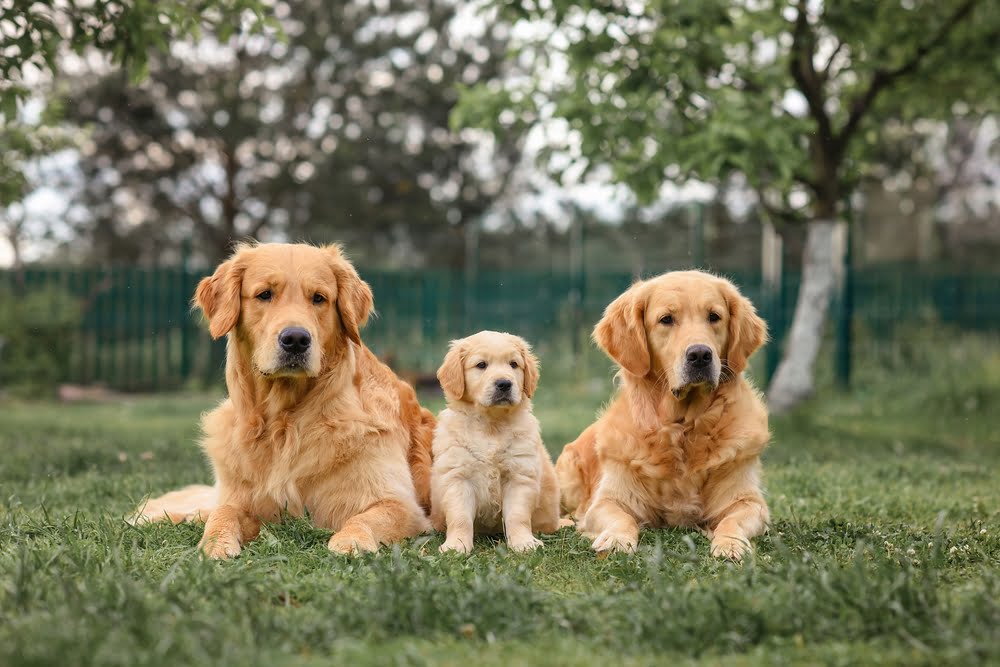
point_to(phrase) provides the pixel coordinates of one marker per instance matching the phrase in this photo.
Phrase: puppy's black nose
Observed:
(699, 356)
(504, 385)
(294, 340)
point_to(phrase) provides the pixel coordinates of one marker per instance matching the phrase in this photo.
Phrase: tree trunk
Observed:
(822, 266)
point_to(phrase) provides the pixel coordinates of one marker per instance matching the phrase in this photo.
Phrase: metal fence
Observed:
(133, 329)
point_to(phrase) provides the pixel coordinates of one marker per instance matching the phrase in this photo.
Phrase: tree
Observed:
(37, 35)
(340, 132)
(793, 96)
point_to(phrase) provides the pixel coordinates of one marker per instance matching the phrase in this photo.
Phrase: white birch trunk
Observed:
(822, 266)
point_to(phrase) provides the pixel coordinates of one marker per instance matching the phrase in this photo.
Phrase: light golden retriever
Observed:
(313, 420)
(680, 443)
(491, 472)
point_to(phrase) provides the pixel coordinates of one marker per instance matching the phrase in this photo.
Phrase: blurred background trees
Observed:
(157, 134)
(338, 130)
(801, 101)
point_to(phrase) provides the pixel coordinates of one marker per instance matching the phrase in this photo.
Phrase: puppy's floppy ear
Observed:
(747, 331)
(451, 375)
(529, 362)
(621, 333)
(354, 296)
(218, 296)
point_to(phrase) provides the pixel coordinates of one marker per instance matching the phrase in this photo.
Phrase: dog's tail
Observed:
(192, 503)
(576, 471)
(421, 457)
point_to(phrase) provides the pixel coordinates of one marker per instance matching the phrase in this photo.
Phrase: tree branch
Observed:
(824, 74)
(882, 78)
(805, 76)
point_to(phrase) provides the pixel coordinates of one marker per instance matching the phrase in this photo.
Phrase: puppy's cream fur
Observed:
(491, 472)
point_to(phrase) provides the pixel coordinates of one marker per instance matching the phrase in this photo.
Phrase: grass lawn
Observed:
(884, 550)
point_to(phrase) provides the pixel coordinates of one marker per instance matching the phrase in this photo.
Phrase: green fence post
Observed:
(846, 310)
(185, 319)
(698, 237)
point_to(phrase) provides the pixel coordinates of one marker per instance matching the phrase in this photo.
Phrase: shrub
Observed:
(37, 329)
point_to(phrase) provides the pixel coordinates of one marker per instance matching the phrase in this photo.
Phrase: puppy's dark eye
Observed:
(319, 298)
(265, 295)
(481, 365)
(513, 364)
(667, 319)
(714, 317)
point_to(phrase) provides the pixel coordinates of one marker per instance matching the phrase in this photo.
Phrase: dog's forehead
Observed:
(491, 344)
(685, 289)
(289, 263)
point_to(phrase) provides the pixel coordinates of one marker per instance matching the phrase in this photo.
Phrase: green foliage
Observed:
(36, 33)
(697, 88)
(884, 550)
(339, 132)
(37, 331)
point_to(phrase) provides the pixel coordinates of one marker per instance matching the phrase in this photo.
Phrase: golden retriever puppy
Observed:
(680, 443)
(314, 421)
(491, 471)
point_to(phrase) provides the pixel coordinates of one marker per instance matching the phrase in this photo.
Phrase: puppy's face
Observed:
(687, 329)
(490, 369)
(291, 305)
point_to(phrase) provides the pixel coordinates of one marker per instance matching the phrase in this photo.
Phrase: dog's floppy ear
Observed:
(529, 362)
(451, 375)
(747, 331)
(621, 333)
(354, 296)
(218, 296)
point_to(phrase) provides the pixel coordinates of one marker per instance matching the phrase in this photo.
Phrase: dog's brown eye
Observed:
(513, 364)
(265, 295)
(714, 317)
(667, 319)
(319, 298)
(481, 365)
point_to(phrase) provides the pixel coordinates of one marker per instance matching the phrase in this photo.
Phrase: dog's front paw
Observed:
(220, 547)
(456, 545)
(529, 543)
(352, 542)
(610, 540)
(733, 548)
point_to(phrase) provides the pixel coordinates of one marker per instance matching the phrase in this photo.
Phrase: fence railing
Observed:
(133, 329)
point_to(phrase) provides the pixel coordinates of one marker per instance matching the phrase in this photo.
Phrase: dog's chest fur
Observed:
(486, 455)
(672, 464)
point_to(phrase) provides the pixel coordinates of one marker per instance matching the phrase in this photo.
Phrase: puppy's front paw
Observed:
(352, 542)
(733, 548)
(566, 522)
(609, 540)
(456, 545)
(220, 547)
(523, 544)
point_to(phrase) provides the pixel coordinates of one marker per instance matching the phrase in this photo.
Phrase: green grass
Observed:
(884, 550)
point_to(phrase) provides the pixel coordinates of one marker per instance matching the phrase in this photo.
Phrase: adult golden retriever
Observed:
(491, 472)
(680, 443)
(313, 420)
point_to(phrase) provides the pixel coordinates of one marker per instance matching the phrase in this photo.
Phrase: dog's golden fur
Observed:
(680, 443)
(335, 433)
(491, 472)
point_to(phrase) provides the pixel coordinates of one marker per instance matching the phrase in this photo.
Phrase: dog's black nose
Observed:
(699, 356)
(294, 340)
(504, 385)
